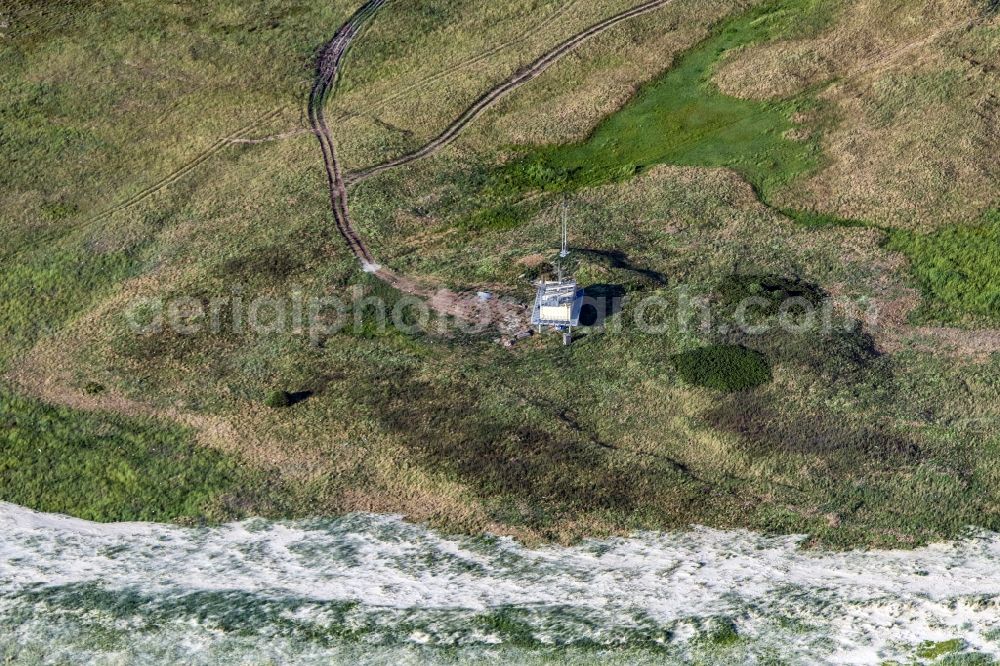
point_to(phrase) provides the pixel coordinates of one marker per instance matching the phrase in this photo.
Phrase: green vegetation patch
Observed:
(932, 650)
(108, 468)
(682, 118)
(722, 634)
(957, 270)
(278, 399)
(40, 290)
(818, 220)
(723, 367)
(499, 218)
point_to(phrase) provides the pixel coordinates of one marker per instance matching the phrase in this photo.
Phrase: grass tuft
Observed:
(278, 399)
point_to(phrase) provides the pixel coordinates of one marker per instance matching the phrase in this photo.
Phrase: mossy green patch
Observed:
(957, 270)
(682, 118)
(724, 635)
(818, 220)
(720, 633)
(723, 367)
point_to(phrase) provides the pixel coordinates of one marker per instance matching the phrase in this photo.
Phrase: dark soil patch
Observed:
(272, 263)
(508, 460)
(763, 430)
(771, 293)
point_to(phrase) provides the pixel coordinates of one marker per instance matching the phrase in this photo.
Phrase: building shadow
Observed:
(601, 301)
(620, 260)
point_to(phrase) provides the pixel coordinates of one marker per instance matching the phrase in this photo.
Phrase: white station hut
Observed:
(558, 302)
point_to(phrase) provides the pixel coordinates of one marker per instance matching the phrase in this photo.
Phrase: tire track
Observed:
(200, 158)
(519, 78)
(456, 67)
(273, 137)
(182, 171)
(327, 70)
(509, 317)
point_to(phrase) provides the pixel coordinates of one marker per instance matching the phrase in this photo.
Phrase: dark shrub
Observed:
(723, 367)
(279, 399)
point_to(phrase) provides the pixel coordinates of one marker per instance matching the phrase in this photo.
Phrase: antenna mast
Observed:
(564, 252)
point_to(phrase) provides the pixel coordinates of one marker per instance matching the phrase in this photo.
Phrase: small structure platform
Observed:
(557, 304)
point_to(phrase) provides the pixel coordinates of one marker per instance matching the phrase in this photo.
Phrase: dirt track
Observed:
(508, 317)
(182, 171)
(327, 68)
(464, 64)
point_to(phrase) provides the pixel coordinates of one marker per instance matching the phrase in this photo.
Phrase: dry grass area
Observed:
(441, 431)
(854, 440)
(914, 94)
(864, 35)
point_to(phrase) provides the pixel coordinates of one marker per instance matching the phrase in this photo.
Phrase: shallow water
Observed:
(375, 589)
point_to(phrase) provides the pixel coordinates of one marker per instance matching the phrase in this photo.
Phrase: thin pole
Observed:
(565, 233)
